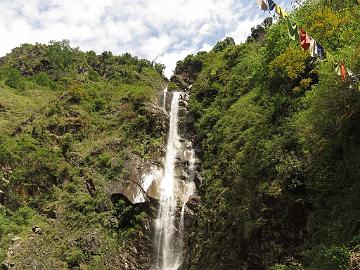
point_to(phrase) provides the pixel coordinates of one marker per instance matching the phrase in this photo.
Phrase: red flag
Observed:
(343, 71)
(304, 39)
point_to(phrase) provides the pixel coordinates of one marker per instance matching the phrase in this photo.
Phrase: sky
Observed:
(160, 30)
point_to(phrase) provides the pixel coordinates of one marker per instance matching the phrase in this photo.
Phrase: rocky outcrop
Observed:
(141, 181)
(143, 177)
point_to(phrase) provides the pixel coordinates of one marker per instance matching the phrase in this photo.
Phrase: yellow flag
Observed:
(282, 13)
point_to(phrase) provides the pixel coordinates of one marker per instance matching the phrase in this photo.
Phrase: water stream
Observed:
(168, 234)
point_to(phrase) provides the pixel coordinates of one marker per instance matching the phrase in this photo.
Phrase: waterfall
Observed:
(164, 96)
(189, 190)
(165, 223)
(169, 230)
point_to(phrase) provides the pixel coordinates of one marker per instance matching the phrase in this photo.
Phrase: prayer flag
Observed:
(282, 13)
(293, 29)
(343, 71)
(304, 39)
(263, 4)
(319, 51)
(337, 70)
(312, 46)
(272, 5)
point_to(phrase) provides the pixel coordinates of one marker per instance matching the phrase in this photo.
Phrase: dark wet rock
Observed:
(158, 119)
(6, 266)
(193, 203)
(90, 186)
(2, 197)
(37, 230)
(114, 222)
(146, 225)
(96, 151)
(72, 125)
(52, 214)
(90, 243)
(198, 180)
(169, 96)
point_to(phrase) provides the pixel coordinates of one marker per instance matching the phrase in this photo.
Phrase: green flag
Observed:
(293, 30)
(330, 58)
(338, 70)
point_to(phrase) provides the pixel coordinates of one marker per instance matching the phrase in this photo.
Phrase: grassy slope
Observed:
(55, 169)
(15, 108)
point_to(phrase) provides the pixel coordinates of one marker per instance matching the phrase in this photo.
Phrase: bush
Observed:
(23, 215)
(173, 87)
(105, 161)
(328, 258)
(43, 79)
(14, 79)
(292, 266)
(73, 256)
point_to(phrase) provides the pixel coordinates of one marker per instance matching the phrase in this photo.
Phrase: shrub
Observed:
(73, 256)
(14, 79)
(42, 79)
(328, 258)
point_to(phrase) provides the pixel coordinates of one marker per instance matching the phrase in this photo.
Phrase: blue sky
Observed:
(165, 31)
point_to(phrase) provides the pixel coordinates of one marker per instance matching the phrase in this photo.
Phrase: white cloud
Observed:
(170, 59)
(154, 29)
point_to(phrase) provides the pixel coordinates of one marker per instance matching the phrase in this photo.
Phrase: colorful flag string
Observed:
(306, 41)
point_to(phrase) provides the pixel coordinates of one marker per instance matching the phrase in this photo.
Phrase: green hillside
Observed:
(278, 137)
(69, 120)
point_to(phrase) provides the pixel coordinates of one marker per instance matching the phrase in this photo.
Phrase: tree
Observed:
(222, 45)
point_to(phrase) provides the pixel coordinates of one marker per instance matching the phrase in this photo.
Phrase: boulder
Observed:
(198, 180)
(2, 197)
(140, 183)
(193, 203)
(52, 214)
(114, 222)
(37, 230)
(6, 266)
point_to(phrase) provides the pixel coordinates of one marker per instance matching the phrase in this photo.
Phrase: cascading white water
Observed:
(165, 224)
(188, 191)
(164, 98)
(169, 235)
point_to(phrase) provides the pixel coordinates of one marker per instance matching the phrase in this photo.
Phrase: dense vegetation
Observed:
(277, 133)
(278, 136)
(68, 122)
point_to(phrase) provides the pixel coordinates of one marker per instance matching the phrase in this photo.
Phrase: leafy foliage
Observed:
(278, 136)
(68, 122)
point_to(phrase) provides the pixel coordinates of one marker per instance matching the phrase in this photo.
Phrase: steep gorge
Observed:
(103, 161)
